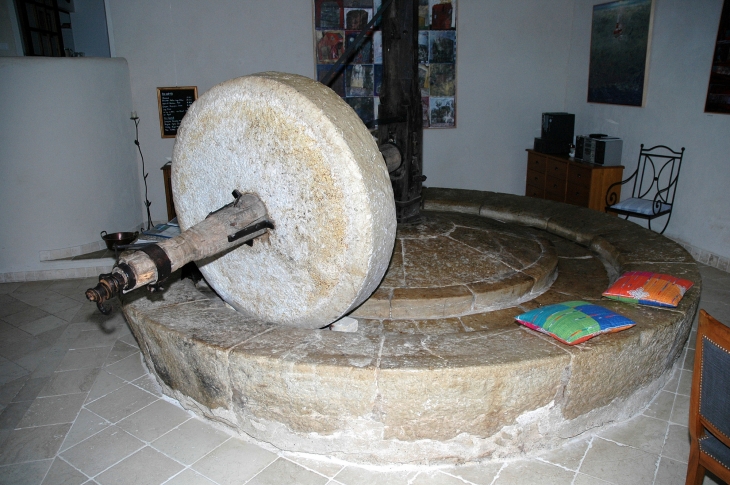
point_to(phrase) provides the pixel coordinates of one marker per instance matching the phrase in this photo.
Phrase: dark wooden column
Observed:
(400, 118)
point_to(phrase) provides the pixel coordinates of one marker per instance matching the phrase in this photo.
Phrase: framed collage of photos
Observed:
(337, 24)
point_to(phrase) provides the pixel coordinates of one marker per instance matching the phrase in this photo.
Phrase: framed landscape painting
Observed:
(619, 60)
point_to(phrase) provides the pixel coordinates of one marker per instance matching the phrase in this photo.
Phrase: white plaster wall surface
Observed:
(67, 168)
(515, 60)
(679, 68)
(189, 43)
(511, 65)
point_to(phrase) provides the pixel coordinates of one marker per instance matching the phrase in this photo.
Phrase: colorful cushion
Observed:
(574, 322)
(647, 288)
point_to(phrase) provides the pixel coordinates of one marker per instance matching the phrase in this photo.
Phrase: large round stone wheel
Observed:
(306, 154)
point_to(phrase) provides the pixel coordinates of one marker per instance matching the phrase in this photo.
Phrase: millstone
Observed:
(300, 148)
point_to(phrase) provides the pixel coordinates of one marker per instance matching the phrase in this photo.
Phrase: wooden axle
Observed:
(225, 229)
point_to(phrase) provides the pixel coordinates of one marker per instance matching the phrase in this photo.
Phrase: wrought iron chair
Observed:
(655, 183)
(709, 405)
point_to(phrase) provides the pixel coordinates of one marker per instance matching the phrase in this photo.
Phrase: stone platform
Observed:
(449, 264)
(438, 372)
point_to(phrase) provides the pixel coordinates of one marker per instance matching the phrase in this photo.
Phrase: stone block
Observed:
(613, 366)
(314, 382)
(581, 279)
(506, 291)
(377, 306)
(566, 248)
(395, 275)
(430, 302)
(581, 225)
(517, 249)
(452, 200)
(491, 322)
(187, 346)
(640, 245)
(474, 384)
(433, 262)
(430, 326)
(521, 210)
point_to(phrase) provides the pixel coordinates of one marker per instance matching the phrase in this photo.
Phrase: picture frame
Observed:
(337, 24)
(621, 33)
(718, 88)
(172, 104)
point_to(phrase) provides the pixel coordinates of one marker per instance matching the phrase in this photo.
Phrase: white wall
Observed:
(679, 69)
(516, 60)
(511, 59)
(67, 161)
(193, 43)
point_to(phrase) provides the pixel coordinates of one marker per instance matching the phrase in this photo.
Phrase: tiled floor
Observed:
(79, 407)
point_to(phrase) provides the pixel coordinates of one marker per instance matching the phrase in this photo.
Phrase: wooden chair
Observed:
(709, 405)
(655, 183)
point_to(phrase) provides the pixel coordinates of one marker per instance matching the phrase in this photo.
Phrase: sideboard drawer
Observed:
(536, 179)
(556, 168)
(532, 191)
(536, 162)
(577, 195)
(579, 176)
(555, 188)
(564, 179)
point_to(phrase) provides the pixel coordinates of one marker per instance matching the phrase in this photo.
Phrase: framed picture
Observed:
(337, 24)
(172, 104)
(619, 60)
(718, 90)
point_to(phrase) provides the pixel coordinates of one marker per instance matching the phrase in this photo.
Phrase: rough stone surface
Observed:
(487, 372)
(437, 389)
(456, 264)
(306, 154)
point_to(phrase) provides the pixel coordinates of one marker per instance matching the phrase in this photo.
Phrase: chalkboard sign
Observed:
(173, 103)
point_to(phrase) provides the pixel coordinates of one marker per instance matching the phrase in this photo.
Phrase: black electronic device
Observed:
(552, 147)
(558, 127)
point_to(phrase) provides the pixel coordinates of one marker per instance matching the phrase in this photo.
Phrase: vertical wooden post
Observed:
(400, 115)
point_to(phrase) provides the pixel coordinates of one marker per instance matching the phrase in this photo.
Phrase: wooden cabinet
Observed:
(565, 179)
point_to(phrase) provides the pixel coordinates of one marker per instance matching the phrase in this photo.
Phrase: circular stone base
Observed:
(448, 265)
(448, 389)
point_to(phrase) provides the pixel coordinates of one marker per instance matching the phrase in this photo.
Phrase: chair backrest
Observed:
(657, 173)
(712, 387)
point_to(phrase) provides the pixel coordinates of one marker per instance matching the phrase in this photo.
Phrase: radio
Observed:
(600, 149)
